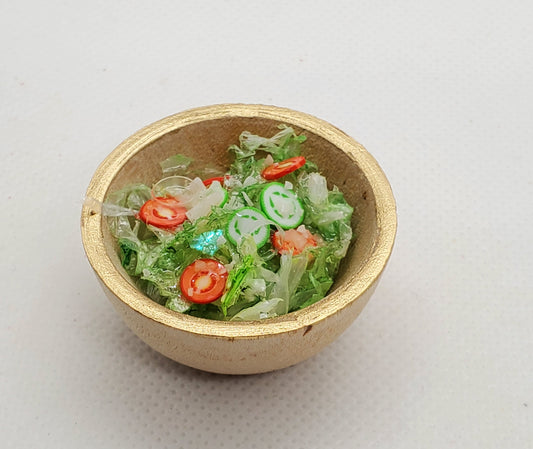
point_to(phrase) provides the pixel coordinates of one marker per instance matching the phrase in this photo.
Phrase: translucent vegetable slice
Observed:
(282, 206)
(248, 221)
(171, 186)
(214, 195)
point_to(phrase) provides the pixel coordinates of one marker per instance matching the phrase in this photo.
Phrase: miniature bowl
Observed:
(252, 346)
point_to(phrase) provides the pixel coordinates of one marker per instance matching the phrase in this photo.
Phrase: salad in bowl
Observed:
(261, 239)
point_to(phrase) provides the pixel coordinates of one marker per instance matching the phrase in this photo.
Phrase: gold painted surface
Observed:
(228, 347)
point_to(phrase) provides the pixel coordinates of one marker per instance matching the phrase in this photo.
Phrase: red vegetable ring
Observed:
(163, 212)
(203, 281)
(280, 169)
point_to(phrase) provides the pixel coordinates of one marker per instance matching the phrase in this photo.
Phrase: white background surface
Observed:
(439, 92)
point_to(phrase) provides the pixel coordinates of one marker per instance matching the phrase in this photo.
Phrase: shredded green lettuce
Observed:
(326, 211)
(235, 283)
(283, 145)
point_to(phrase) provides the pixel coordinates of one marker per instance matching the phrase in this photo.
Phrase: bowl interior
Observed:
(207, 142)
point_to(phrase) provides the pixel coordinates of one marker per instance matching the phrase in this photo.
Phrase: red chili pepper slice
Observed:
(280, 169)
(210, 181)
(163, 212)
(203, 281)
(220, 179)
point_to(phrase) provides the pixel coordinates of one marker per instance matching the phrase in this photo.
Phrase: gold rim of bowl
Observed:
(357, 284)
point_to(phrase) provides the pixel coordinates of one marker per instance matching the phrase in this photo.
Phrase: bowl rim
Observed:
(356, 285)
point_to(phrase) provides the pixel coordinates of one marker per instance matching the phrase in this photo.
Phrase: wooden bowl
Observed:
(254, 346)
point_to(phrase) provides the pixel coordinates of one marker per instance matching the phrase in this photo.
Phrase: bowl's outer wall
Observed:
(228, 355)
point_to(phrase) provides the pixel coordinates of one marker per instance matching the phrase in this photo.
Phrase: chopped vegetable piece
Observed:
(248, 221)
(203, 281)
(208, 182)
(221, 179)
(176, 164)
(162, 212)
(280, 169)
(202, 201)
(282, 205)
(293, 241)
